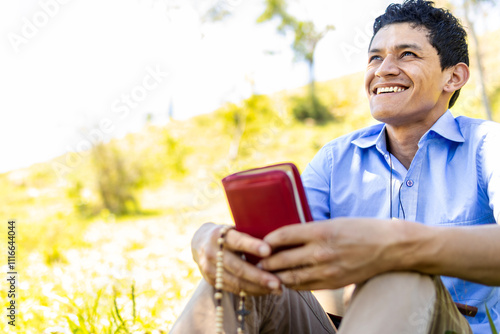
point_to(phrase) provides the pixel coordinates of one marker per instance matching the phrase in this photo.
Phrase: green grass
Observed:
(492, 324)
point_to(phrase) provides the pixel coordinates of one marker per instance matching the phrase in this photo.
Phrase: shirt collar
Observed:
(374, 136)
(445, 126)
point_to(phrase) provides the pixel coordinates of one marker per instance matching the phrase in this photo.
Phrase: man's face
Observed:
(404, 81)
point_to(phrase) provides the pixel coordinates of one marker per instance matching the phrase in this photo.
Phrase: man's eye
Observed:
(372, 58)
(408, 53)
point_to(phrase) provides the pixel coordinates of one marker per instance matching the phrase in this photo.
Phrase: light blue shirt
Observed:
(453, 180)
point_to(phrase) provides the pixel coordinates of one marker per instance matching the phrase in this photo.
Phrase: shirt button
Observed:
(409, 183)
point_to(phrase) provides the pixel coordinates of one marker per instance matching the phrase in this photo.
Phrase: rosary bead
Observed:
(219, 284)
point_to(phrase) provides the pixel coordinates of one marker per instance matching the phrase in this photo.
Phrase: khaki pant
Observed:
(390, 303)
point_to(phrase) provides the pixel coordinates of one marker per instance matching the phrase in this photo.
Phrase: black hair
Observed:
(446, 34)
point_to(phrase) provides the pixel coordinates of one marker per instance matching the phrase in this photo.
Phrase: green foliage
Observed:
(80, 203)
(158, 156)
(492, 324)
(244, 122)
(119, 170)
(117, 178)
(259, 111)
(277, 8)
(251, 114)
(495, 100)
(231, 117)
(92, 313)
(309, 107)
(306, 36)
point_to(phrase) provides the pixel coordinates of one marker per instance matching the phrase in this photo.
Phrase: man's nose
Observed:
(388, 67)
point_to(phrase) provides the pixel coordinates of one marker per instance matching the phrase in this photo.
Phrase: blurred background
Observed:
(120, 117)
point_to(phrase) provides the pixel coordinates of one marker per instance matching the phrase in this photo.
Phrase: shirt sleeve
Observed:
(316, 181)
(489, 157)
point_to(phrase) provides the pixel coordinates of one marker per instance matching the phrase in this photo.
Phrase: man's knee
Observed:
(399, 284)
(397, 302)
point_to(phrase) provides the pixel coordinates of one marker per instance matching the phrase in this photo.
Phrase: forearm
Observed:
(470, 253)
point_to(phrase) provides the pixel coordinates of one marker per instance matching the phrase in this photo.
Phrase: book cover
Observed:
(264, 199)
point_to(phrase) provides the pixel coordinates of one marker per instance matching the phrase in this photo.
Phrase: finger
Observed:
(289, 235)
(250, 273)
(235, 285)
(290, 258)
(242, 242)
(323, 276)
(308, 278)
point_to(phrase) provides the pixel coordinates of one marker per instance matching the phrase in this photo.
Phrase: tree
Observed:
(306, 39)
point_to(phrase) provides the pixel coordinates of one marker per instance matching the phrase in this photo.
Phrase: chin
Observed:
(382, 115)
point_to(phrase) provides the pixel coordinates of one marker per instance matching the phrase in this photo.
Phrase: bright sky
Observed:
(74, 70)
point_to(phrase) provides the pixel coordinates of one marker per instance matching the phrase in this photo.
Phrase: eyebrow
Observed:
(400, 47)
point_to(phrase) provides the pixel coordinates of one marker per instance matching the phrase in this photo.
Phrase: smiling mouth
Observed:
(395, 89)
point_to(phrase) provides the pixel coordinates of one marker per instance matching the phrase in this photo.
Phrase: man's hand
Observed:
(238, 274)
(333, 253)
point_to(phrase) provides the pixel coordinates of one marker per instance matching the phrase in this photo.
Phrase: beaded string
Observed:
(219, 285)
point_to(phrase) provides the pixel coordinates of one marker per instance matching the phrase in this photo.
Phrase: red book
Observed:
(264, 199)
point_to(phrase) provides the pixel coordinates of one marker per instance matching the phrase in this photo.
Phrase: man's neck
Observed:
(402, 139)
(403, 144)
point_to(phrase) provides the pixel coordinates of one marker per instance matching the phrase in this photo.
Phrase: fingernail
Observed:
(273, 285)
(263, 250)
(259, 265)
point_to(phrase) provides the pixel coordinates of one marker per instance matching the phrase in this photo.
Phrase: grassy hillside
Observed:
(82, 267)
(77, 271)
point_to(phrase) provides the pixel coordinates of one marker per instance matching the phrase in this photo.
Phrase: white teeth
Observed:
(394, 89)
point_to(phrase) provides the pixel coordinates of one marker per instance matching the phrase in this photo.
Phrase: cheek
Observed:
(429, 91)
(368, 78)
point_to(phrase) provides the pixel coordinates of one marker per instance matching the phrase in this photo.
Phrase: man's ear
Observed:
(458, 76)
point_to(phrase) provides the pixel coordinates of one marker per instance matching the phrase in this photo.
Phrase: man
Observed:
(436, 176)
